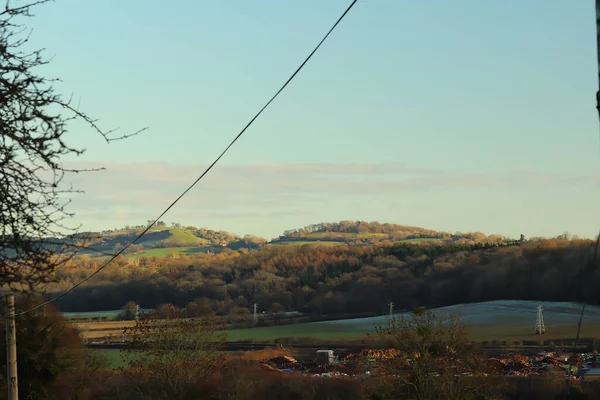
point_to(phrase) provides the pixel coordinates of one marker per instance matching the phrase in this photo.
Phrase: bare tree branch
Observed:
(33, 123)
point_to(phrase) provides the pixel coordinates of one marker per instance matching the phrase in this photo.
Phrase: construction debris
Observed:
(374, 361)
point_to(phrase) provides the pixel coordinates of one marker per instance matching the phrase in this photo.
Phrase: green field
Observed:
(308, 242)
(185, 236)
(113, 355)
(344, 235)
(312, 330)
(416, 240)
(503, 320)
(167, 251)
(509, 321)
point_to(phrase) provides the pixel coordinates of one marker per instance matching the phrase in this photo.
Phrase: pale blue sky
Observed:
(462, 115)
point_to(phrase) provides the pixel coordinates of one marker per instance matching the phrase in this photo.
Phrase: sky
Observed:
(462, 115)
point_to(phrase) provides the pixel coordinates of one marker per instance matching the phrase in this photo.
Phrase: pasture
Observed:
(167, 251)
(308, 242)
(504, 320)
(510, 321)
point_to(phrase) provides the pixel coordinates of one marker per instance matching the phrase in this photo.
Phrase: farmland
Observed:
(168, 251)
(164, 241)
(498, 320)
(308, 242)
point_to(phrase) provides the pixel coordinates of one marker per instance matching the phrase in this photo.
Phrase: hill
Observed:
(335, 280)
(357, 233)
(160, 241)
(163, 240)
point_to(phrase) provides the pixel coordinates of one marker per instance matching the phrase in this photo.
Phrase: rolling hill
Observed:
(359, 233)
(163, 241)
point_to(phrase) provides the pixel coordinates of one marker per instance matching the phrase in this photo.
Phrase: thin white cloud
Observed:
(126, 191)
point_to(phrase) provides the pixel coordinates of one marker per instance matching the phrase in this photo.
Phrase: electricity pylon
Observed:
(540, 328)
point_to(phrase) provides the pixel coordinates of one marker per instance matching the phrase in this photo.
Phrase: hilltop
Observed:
(163, 240)
(358, 233)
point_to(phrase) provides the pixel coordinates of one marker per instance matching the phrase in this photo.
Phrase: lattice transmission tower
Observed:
(540, 328)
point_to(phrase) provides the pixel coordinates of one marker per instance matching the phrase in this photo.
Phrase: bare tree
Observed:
(437, 359)
(171, 354)
(33, 123)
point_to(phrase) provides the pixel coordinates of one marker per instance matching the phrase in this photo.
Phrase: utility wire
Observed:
(201, 176)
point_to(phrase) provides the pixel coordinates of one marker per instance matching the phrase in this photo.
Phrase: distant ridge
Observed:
(166, 240)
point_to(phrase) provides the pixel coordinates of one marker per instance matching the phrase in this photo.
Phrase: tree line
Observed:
(336, 279)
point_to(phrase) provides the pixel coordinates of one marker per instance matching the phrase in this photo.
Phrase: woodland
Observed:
(346, 278)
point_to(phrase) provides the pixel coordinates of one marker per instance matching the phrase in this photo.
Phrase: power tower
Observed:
(255, 315)
(540, 328)
(391, 305)
(137, 312)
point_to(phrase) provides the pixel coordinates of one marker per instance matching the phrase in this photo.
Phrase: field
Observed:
(102, 329)
(112, 355)
(167, 251)
(498, 320)
(504, 320)
(508, 321)
(308, 242)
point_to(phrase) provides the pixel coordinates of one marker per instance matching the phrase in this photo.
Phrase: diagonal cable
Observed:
(202, 175)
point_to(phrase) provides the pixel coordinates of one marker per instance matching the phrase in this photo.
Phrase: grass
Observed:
(524, 332)
(346, 235)
(332, 331)
(416, 240)
(270, 333)
(509, 321)
(112, 355)
(185, 236)
(309, 242)
(497, 320)
(101, 329)
(167, 251)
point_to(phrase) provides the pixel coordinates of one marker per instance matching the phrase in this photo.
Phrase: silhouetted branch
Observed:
(33, 124)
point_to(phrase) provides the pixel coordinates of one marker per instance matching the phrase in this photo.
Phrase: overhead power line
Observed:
(201, 176)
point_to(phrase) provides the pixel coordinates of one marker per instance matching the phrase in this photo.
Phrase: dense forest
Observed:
(335, 279)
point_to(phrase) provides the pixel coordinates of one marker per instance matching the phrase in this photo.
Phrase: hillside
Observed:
(163, 241)
(358, 233)
(339, 279)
